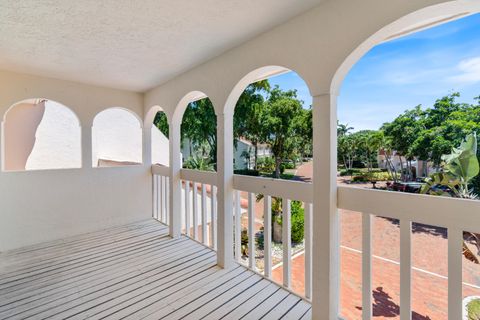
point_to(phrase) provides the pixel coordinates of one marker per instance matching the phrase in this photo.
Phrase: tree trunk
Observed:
(255, 158)
(278, 163)
(277, 231)
(402, 174)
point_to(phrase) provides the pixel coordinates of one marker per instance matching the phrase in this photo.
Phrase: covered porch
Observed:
(140, 240)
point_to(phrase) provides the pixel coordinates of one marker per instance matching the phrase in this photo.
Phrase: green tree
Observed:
(199, 127)
(247, 117)
(403, 132)
(280, 128)
(160, 121)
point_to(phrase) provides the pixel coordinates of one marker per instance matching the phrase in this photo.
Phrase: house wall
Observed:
(19, 131)
(240, 161)
(44, 205)
(117, 135)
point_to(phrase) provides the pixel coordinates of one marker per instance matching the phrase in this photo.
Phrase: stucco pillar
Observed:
(225, 190)
(175, 201)
(147, 144)
(326, 230)
(87, 161)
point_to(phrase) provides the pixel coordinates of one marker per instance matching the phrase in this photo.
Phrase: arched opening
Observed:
(199, 136)
(160, 140)
(408, 99)
(272, 130)
(40, 134)
(116, 138)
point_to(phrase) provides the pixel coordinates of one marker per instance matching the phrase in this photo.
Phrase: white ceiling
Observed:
(129, 44)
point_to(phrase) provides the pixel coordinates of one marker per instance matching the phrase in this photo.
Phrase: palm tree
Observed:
(343, 129)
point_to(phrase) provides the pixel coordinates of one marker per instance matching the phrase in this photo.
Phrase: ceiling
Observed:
(128, 44)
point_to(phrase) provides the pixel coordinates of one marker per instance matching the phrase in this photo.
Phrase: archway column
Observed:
(225, 190)
(86, 143)
(326, 235)
(175, 201)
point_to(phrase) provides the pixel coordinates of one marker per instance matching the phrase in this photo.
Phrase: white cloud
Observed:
(468, 71)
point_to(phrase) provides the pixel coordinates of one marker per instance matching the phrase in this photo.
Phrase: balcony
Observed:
(130, 239)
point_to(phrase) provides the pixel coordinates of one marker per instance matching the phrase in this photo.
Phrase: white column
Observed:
(175, 201)
(225, 190)
(147, 144)
(87, 161)
(326, 235)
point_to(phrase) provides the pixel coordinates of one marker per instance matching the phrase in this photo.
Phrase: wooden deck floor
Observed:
(135, 272)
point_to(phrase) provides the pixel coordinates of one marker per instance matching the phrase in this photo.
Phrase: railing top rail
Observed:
(293, 190)
(427, 209)
(206, 177)
(160, 170)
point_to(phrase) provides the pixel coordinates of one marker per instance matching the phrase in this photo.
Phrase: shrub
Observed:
(259, 239)
(266, 164)
(288, 165)
(473, 308)
(297, 221)
(349, 172)
(244, 242)
(372, 176)
(247, 172)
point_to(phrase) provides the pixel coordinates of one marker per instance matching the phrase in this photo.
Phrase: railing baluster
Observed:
(287, 244)
(187, 209)
(167, 200)
(267, 235)
(162, 199)
(213, 221)
(366, 266)
(308, 249)
(154, 196)
(159, 189)
(455, 248)
(204, 215)
(238, 227)
(251, 231)
(195, 211)
(405, 270)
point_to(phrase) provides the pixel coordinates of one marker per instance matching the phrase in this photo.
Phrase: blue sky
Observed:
(400, 74)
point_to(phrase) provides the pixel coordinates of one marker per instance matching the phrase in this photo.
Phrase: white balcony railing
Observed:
(287, 191)
(161, 191)
(199, 221)
(456, 215)
(199, 218)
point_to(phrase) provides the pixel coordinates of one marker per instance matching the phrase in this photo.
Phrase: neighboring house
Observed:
(422, 168)
(243, 153)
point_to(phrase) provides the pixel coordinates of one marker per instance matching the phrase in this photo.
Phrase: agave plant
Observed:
(459, 168)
